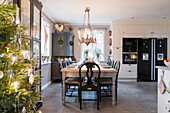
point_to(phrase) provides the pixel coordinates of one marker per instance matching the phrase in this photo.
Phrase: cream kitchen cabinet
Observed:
(129, 71)
(144, 29)
(161, 29)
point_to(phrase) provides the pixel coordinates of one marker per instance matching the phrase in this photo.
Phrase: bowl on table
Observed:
(167, 63)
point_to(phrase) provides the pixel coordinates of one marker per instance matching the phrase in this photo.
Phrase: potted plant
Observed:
(98, 52)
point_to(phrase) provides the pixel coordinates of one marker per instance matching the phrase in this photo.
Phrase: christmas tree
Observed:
(18, 84)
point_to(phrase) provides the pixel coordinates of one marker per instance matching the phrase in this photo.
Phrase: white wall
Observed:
(46, 67)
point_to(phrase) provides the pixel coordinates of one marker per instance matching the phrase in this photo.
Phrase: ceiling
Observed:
(106, 11)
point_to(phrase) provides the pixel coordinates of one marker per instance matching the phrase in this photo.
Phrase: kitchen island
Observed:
(164, 99)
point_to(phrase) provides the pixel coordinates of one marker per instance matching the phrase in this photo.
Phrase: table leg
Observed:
(113, 92)
(63, 81)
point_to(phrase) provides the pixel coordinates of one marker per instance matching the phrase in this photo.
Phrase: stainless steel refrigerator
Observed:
(151, 53)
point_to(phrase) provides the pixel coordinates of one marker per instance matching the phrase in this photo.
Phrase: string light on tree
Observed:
(24, 53)
(16, 86)
(29, 72)
(14, 67)
(13, 59)
(24, 110)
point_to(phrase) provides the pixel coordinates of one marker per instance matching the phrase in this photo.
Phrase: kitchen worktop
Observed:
(163, 67)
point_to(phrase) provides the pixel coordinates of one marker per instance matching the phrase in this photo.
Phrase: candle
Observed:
(95, 33)
(79, 34)
(16, 85)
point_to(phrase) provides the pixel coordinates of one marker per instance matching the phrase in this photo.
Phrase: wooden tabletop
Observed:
(74, 68)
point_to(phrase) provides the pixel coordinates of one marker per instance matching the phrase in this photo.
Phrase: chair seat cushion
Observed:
(72, 80)
(107, 81)
(84, 83)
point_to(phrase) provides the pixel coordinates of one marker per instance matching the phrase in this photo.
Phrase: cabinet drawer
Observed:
(129, 67)
(129, 73)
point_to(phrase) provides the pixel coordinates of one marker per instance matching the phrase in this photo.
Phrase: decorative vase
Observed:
(110, 42)
(98, 56)
(110, 52)
(110, 33)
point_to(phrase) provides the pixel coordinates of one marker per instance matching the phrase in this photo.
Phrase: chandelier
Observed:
(86, 34)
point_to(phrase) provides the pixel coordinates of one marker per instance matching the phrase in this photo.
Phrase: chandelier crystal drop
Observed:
(86, 35)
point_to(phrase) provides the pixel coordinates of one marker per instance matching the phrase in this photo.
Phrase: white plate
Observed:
(71, 66)
(103, 64)
(107, 67)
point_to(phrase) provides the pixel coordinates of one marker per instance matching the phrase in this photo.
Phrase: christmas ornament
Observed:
(1, 74)
(110, 42)
(7, 47)
(31, 79)
(23, 110)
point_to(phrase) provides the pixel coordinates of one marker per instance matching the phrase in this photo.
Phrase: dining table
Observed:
(73, 71)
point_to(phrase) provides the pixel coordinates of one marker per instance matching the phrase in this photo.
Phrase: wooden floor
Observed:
(133, 97)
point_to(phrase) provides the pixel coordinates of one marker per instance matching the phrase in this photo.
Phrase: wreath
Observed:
(60, 41)
(71, 43)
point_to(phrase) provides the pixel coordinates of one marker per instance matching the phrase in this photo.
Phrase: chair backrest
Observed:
(89, 74)
(68, 62)
(112, 63)
(64, 64)
(61, 65)
(117, 67)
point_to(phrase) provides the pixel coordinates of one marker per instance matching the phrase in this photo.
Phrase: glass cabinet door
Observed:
(25, 15)
(36, 53)
(36, 23)
(37, 58)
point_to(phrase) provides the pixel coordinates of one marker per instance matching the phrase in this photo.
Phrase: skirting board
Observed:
(127, 80)
(46, 85)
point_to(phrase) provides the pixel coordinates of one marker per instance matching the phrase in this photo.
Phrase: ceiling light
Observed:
(86, 35)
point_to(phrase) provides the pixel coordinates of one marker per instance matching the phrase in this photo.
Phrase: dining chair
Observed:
(107, 82)
(64, 63)
(70, 82)
(68, 62)
(90, 84)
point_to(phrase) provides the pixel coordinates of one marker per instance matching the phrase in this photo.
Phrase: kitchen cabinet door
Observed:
(158, 29)
(69, 46)
(145, 29)
(59, 45)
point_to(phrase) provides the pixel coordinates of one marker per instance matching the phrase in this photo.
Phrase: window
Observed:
(45, 36)
(100, 33)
